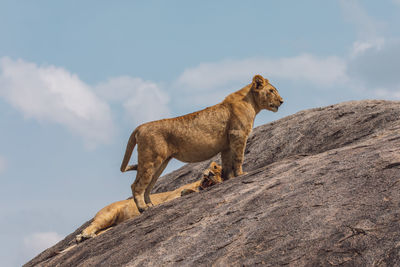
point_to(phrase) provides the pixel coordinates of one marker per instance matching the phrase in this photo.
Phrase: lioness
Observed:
(121, 211)
(199, 136)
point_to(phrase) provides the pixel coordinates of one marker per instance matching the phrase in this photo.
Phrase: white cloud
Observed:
(387, 94)
(49, 93)
(369, 30)
(370, 70)
(308, 68)
(373, 63)
(142, 100)
(359, 47)
(3, 164)
(35, 243)
(377, 67)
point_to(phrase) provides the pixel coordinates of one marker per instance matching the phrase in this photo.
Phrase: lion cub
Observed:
(120, 211)
(222, 128)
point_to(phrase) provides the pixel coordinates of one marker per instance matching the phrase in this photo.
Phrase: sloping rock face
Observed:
(322, 189)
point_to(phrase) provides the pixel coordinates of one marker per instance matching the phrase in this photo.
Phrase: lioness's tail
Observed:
(128, 153)
(131, 168)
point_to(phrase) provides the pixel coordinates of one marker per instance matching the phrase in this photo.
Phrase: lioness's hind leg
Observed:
(138, 194)
(227, 166)
(144, 178)
(154, 180)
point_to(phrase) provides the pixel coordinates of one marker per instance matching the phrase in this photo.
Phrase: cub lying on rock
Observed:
(222, 128)
(120, 211)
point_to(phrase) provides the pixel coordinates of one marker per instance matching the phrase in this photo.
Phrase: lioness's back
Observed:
(196, 136)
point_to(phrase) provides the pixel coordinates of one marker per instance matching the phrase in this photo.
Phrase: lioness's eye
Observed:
(215, 167)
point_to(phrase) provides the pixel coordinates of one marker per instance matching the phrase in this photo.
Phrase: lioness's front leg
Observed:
(237, 144)
(143, 179)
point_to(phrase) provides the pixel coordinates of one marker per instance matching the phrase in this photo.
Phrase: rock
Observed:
(322, 189)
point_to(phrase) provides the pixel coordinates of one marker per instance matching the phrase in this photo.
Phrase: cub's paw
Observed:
(84, 236)
(185, 192)
(79, 238)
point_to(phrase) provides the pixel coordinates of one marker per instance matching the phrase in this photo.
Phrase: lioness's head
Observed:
(265, 94)
(211, 176)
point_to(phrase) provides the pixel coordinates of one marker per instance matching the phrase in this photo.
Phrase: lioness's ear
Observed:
(258, 81)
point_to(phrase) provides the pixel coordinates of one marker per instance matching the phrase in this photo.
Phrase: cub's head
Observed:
(265, 94)
(211, 176)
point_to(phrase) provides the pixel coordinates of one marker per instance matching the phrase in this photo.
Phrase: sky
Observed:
(77, 77)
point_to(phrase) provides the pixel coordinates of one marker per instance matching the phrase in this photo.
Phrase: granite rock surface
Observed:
(322, 189)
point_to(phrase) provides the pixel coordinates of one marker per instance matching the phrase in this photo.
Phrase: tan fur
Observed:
(222, 128)
(121, 211)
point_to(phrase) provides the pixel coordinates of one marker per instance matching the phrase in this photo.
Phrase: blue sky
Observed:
(76, 77)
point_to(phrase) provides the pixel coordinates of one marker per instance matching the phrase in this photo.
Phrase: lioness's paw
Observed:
(229, 176)
(143, 209)
(239, 174)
